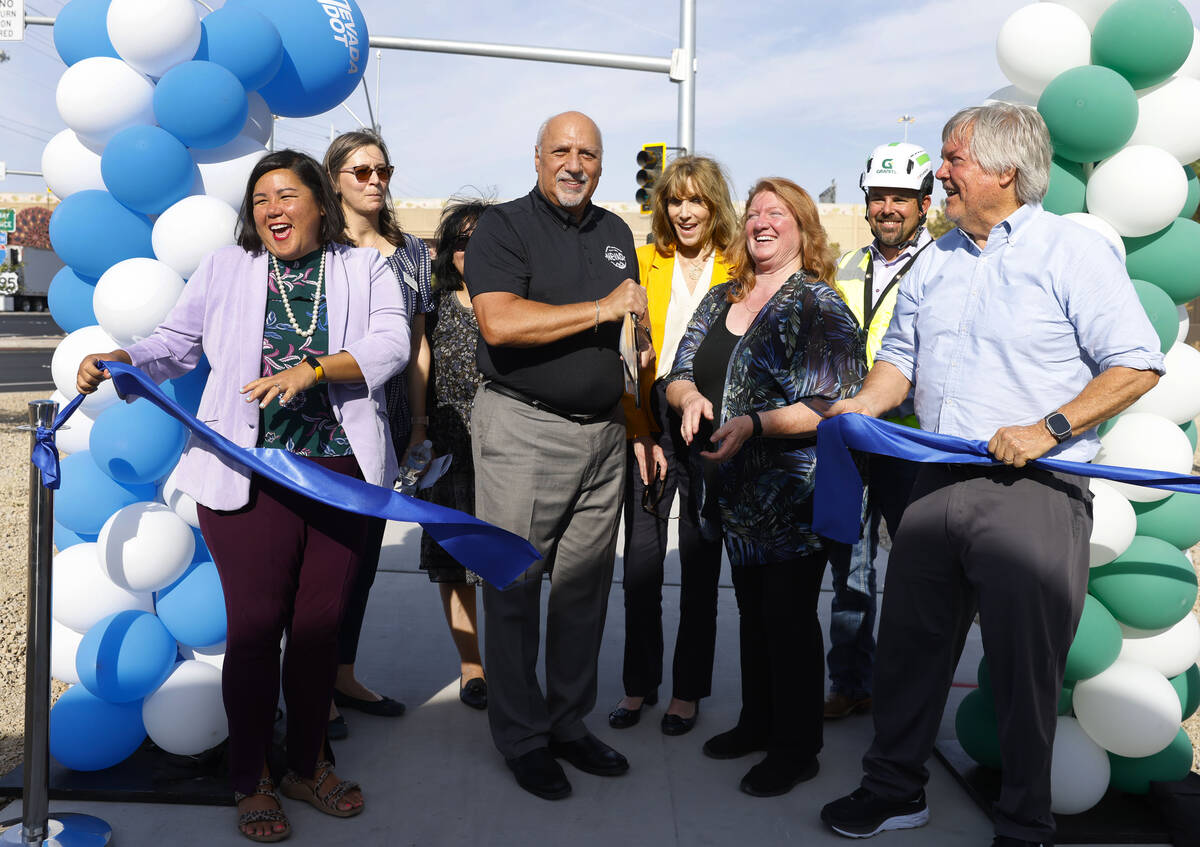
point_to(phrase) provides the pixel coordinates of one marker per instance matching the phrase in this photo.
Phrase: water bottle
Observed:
(410, 472)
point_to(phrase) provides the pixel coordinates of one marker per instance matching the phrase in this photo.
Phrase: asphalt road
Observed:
(25, 365)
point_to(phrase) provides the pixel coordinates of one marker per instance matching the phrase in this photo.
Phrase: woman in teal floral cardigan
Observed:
(763, 355)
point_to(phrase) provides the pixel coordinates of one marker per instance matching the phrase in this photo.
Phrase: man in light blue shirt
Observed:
(1021, 329)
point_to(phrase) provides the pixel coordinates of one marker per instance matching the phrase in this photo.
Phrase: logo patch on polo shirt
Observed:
(615, 256)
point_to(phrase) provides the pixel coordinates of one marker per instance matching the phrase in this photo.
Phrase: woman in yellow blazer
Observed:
(693, 222)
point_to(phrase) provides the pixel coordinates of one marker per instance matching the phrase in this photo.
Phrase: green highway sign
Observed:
(8, 220)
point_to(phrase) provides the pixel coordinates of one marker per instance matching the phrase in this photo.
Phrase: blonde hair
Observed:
(709, 182)
(816, 254)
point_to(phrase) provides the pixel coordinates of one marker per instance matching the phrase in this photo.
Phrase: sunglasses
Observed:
(362, 173)
(652, 494)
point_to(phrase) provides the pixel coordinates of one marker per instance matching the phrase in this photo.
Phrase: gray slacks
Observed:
(1014, 545)
(559, 484)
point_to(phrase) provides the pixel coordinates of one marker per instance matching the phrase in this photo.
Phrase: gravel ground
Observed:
(14, 519)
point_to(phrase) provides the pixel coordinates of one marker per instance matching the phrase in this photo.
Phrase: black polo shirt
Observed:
(536, 250)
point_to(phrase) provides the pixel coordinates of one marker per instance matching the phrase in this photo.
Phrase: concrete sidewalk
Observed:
(433, 777)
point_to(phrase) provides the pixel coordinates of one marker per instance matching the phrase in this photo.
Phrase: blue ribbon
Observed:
(837, 496)
(45, 450)
(497, 555)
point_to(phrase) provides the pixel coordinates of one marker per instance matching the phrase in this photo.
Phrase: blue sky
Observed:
(798, 89)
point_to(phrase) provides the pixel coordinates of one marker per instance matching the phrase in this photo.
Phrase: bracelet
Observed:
(315, 364)
(757, 422)
(596, 326)
(420, 420)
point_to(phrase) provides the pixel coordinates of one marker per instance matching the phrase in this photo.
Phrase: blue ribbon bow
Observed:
(837, 496)
(497, 555)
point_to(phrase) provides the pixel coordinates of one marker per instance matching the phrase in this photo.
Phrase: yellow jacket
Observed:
(656, 272)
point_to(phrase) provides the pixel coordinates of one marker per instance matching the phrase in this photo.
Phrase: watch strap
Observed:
(315, 364)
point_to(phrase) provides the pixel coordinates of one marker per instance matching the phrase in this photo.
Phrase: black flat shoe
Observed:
(337, 730)
(622, 718)
(538, 773)
(384, 707)
(474, 693)
(733, 745)
(590, 755)
(776, 775)
(679, 725)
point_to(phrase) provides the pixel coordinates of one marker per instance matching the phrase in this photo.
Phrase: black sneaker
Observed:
(864, 813)
(1009, 841)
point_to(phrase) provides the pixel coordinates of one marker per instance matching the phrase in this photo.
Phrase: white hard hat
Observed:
(898, 165)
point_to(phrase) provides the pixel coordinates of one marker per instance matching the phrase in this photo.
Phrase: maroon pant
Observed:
(287, 564)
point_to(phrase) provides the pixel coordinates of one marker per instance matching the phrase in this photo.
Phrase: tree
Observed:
(937, 223)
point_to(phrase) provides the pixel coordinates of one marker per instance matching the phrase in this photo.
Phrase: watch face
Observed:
(1059, 426)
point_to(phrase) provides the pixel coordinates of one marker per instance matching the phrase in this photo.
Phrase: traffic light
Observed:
(650, 163)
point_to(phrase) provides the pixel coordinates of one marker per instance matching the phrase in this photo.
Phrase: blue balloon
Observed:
(201, 103)
(187, 389)
(243, 41)
(193, 607)
(91, 231)
(90, 734)
(136, 442)
(147, 169)
(201, 554)
(324, 54)
(87, 496)
(70, 299)
(64, 538)
(81, 31)
(125, 656)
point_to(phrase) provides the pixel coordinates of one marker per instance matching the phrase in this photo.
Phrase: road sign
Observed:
(8, 220)
(9, 283)
(3, 239)
(12, 20)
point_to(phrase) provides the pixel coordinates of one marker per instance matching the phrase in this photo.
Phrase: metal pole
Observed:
(687, 76)
(626, 61)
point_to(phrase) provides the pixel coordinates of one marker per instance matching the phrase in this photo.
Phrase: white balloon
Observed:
(64, 364)
(182, 504)
(1089, 10)
(191, 229)
(64, 644)
(1114, 523)
(75, 435)
(145, 547)
(1169, 118)
(1040, 41)
(1139, 190)
(1011, 94)
(1169, 651)
(260, 120)
(154, 36)
(186, 715)
(214, 655)
(1185, 324)
(1128, 709)
(1176, 397)
(1079, 770)
(1191, 65)
(100, 96)
(1143, 440)
(1101, 226)
(69, 165)
(81, 595)
(226, 169)
(133, 296)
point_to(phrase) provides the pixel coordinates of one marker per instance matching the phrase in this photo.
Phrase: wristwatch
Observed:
(315, 364)
(1059, 426)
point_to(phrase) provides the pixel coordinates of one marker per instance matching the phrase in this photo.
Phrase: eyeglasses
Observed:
(652, 494)
(461, 242)
(362, 173)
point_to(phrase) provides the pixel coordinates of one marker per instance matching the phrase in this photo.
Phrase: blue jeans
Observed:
(852, 621)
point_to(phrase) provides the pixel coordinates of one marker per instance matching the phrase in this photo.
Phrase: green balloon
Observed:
(1161, 311)
(984, 677)
(1068, 188)
(1097, 642)
(1193, 196)
(1065, 696)
(1189, 429)
(1175, 520)
(1169, 259)
(1107, 425)
(1187, 686)
(1134, 776)
(1144, 41)
(1152, 585)
(1090, 111)
(976, 728)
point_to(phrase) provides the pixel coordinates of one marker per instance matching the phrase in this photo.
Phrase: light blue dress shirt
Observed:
(1005, 335)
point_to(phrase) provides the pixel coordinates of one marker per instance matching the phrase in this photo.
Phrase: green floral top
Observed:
(305, 425)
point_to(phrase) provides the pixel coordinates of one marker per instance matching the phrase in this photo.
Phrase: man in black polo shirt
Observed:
(551, 278)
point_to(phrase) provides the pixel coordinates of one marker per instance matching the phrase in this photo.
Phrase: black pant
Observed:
(783, 657)
(356, 603)
(645, 549)
(1014, 545)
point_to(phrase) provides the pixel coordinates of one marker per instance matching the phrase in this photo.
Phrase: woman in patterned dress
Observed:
(360, 169)
(302, 333)
(453, 333)
(763, 355)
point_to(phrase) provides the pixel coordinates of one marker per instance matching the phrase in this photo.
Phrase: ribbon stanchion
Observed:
(838, 490)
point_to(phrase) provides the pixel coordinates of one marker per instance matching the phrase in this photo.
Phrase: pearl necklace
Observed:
(287, 305)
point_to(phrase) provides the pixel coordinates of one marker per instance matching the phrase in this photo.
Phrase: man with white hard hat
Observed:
(897, 184)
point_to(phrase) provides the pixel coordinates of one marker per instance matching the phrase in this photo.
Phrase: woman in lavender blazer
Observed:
(301, 332)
